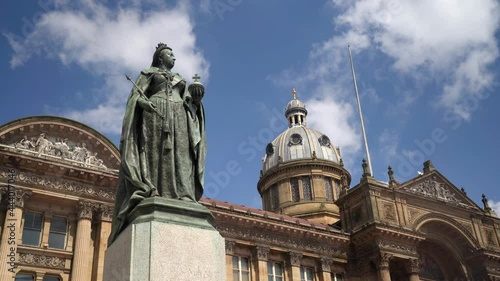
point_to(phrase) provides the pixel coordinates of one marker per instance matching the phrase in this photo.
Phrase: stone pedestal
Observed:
(167, 240)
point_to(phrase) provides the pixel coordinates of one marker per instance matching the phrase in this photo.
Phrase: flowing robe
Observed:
(162, 152)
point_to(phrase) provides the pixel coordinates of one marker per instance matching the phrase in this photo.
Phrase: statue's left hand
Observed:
(197, 94)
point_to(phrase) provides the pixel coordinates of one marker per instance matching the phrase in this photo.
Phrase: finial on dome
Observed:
(294, 94)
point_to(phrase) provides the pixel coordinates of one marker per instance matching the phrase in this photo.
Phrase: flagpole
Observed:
(360, 113)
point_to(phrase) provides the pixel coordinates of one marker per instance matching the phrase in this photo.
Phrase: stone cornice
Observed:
(61, 185)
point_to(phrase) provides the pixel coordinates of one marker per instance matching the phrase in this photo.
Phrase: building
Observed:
(60, 177)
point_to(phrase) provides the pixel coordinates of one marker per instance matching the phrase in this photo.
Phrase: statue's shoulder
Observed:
(149, 71)
(177, 78)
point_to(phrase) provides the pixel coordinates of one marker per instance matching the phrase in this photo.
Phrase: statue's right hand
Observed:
(147, 105)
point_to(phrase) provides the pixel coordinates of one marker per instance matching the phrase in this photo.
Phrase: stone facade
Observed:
(422, 229)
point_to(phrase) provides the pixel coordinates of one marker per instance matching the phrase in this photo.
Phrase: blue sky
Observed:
(427, 71)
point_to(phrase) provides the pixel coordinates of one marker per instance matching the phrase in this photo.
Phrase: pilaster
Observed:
(413, 267)
(261, 256)
(294, 261)
(105, 217)
(83, 254)
(11, 236)
(326, 269)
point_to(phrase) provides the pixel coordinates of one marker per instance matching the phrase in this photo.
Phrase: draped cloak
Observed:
(134, 180)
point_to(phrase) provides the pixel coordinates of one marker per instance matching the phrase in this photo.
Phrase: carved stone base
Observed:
(167, 241)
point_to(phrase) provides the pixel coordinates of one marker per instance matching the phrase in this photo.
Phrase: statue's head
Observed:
(163, 56)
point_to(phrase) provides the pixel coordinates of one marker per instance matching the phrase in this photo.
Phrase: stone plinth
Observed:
(168, 240)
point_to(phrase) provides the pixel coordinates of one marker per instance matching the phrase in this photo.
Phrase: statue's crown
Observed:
(162, 46)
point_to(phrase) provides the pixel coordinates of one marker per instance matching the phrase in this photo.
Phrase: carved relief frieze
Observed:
(321, 246)
(388, 211)
(58, 184)
(413, 214)
(490, 237)
(467, 226)
(51, 147)
(396, 247)
(432, 188)
(41, 260)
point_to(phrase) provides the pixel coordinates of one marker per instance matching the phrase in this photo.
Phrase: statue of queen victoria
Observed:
(163, 143)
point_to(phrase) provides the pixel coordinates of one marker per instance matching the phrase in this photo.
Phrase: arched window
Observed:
(276, 199)
(328, 189)
(294, 183)
(24, 277)
(306, 188)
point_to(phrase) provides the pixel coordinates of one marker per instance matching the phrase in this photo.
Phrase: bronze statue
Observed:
(163, 144)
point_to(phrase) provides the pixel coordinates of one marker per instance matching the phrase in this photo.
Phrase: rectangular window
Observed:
(328, 189)
(276, 198)
(32, 228)
(24, 277)
(294, 182)
(57, 235)
(51, 278)
(337, 277)
(306, 188)
(241, 269)
(274, 271)
(336, 189)
(306, 274)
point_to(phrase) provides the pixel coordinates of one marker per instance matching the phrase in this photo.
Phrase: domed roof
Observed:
(299, 142)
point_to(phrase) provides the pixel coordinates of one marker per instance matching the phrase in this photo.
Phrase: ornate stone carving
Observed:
(44, 146)
(397, 247)
(490, 240)
(229, 247)
(434, 189)
(295, 258)
(86, 209)
(41, 260)
(58, 184)
(324, 246)
(413, 266)
(413, 214)
(261, 253)
(388, 211)
(21, 196)
(326, 264)
(106, 213)
(382, 260)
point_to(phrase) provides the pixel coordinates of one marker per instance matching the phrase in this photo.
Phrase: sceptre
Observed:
(165, 124)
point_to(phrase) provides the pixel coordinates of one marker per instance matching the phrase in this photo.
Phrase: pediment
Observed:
(437, 187)
(61, 140)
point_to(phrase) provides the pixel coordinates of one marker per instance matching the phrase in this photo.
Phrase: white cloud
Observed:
(109, 42)
(388, 144)
(495, 206)
(448, 38)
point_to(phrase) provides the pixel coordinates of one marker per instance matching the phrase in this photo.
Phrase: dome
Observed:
(295, 104)
(296, 143)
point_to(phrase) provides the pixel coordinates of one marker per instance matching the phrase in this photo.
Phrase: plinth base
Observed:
(168, 240)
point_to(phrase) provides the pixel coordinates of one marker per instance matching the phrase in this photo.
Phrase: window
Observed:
(337, 277)
(306, 188)
(294, 182)
(336, 189)
(32, 229)
(276, 198)
(241, 269)
(306, 274)
(274, 271)
(24, 277)
(328, 189)
(57, 235)
(51, 278)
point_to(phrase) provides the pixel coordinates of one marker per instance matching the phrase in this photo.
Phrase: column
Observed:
(261, 256)
(382, 263)
(82, 255)
(11, 236)
(294, 260)
(229, 259)
(413, 267)
(105, 216)
(326, 269)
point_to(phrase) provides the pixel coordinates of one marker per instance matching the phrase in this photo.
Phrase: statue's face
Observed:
(168, 58)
